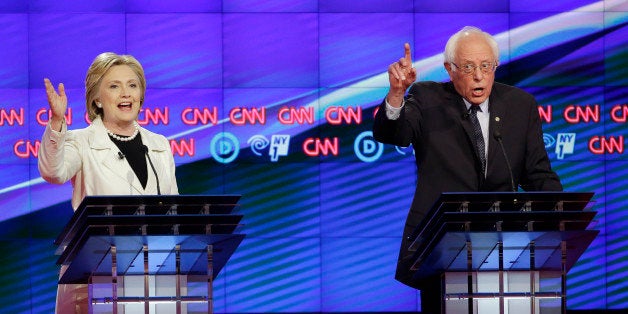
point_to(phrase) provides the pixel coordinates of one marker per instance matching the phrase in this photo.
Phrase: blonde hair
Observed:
(97, 70)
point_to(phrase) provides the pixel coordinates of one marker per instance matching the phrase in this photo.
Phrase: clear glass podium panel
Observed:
(524, 292)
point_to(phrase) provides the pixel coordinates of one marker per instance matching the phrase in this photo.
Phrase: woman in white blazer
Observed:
(113, 155)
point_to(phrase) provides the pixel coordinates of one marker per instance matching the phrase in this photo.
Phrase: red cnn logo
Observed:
(546, 113)
(155, 116)
(292, 115)
(600, 144)
(196, 116)
(243, 116)
(619, 113)
(317, 147)
(576, 114)
(183, 147)
(42, 116)
(26, 148)
(336, 115)
(12, 116)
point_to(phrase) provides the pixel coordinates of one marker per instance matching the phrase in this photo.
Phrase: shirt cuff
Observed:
(393, 113)
(55, 135)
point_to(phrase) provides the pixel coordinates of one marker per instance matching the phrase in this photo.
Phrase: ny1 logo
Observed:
(279, 145)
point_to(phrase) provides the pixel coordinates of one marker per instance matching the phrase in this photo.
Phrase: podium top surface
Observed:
(148, 205)
(579, 199)
(157, 200)
(484, 202)
(158, 224)
(461, 223)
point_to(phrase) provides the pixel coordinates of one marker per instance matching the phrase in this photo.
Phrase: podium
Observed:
(503, 252)
(150, 254)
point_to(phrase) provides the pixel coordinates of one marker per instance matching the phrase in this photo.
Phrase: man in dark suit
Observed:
(454, 128)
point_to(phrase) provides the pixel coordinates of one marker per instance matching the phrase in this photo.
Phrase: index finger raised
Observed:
(407, 53)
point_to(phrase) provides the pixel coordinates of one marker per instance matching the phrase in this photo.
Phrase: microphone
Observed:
(498, 136)
(120, 155)
(152, 167)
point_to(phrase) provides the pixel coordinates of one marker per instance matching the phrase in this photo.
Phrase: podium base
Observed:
(157, 295)
(505, 292)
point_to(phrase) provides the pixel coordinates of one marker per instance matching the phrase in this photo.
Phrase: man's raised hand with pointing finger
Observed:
(401, 75)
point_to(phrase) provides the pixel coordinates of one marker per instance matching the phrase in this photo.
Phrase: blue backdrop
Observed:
(274, 100)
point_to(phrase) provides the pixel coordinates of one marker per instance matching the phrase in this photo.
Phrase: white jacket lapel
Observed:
(107, 150)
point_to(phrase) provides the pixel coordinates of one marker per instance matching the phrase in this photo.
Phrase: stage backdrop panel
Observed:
(275, 100)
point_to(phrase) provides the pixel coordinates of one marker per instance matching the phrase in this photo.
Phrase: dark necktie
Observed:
(479, 138)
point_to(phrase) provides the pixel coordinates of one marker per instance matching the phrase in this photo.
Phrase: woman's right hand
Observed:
(58, 104)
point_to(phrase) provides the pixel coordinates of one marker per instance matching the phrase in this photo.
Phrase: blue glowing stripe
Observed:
(285, 276)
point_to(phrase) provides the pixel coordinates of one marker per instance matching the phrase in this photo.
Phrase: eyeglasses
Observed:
(469, 68)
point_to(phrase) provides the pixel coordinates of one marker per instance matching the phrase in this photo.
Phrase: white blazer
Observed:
(90, 160)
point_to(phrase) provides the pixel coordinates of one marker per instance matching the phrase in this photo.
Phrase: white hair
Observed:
(452, 43)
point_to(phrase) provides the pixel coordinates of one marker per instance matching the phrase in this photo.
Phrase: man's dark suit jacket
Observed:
(435, 121)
